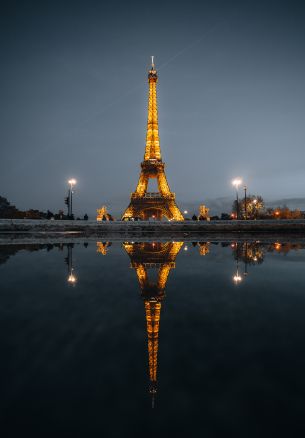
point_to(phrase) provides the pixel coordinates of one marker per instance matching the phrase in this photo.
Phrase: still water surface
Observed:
(155, 339)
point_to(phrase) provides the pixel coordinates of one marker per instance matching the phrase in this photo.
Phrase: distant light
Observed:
(237, 278)
(236, 182)
(72, 181)
(254, 201)
(185, 248)
(185, 212)
(72, 279)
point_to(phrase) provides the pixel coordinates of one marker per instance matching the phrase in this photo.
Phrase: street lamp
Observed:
(72, 183)
(185, 212)
(237, 182)
(254, 202)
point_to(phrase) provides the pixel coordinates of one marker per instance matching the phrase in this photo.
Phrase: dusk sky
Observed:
(231, 97)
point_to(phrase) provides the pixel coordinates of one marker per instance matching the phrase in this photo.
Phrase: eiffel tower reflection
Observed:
(160, 257)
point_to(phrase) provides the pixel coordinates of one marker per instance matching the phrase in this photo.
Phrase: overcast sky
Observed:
(73, 101)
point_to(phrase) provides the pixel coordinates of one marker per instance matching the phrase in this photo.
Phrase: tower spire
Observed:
(152, 149)
(152, 312)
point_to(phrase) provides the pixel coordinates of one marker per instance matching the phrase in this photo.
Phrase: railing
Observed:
(153, 195)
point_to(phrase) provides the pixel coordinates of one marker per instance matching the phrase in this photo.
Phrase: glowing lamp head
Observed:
(185, 212)
(236, 182)
(72, 181)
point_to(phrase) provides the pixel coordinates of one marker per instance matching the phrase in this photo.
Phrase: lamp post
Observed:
(236, 182)
(245, 189)
(72, 183)
(255, 209)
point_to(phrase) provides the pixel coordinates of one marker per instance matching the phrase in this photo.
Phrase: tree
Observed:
(286, 213)
(194, 217)
(249, 208)
(86, 217)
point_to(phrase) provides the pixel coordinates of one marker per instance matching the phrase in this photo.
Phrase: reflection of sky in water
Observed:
(231, 357)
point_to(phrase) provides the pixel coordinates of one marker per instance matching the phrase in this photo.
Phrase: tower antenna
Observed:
(152, 62)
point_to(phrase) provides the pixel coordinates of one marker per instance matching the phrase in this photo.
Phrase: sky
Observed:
(73, 84)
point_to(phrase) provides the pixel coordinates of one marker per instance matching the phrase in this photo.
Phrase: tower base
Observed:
(153, 205)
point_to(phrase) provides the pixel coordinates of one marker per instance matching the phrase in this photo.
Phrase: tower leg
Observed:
(163, 184)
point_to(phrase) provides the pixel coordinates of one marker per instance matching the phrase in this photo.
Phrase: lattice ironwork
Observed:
(161, 204)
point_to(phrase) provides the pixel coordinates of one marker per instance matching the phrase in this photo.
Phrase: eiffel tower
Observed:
(160, 256)
(162, 203)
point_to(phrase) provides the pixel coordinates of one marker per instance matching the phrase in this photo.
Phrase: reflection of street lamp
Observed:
(71, 279)
(236, 182)
(237, 277)
(72, 183)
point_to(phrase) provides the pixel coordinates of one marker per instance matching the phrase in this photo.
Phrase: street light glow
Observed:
(237, 278)
(185, 212)
(72, 278)
(72, 181)
(236, 182)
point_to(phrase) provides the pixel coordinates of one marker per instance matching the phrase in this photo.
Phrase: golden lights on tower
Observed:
(157, 204)
(161, 257)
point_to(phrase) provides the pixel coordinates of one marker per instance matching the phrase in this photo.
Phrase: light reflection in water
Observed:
(72, 278)
(160, 257)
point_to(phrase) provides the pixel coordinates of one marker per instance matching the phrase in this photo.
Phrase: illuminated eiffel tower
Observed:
(160, 256)
(162, 203)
